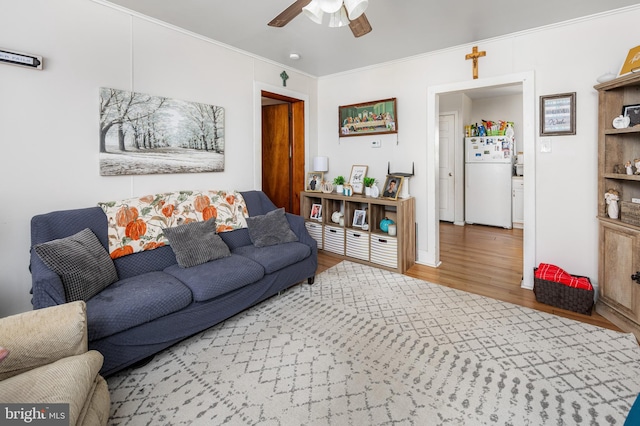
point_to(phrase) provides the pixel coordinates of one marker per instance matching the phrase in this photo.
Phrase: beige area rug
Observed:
(364, 346)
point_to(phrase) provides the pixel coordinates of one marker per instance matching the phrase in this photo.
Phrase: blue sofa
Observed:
(155, 303)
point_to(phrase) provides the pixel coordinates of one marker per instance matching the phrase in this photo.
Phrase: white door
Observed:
(447, 164)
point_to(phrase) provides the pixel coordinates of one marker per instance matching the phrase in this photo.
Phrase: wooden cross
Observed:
(475, 55)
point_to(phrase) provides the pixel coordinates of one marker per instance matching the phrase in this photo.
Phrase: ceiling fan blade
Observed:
(289, 13)
(360, 26)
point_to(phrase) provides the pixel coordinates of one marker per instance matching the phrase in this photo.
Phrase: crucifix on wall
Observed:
(475, 55)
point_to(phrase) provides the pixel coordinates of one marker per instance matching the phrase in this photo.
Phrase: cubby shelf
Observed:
(369, 245)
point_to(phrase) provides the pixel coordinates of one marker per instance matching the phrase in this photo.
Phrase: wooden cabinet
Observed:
(367, 244)
(619, 250)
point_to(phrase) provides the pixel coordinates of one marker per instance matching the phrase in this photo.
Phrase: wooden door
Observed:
(283, 151)
(276, 154)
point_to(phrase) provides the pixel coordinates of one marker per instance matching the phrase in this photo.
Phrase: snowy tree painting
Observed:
(143, 134)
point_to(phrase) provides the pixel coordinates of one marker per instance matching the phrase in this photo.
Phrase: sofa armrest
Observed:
(40, 337)
(46, 285)
(297, 226)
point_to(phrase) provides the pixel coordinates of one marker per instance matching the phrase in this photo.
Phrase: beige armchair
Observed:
(48, 362)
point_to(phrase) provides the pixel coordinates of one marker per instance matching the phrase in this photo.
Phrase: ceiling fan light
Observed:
(313, 12)
(339, 19)
(330, 6)
(355, 8)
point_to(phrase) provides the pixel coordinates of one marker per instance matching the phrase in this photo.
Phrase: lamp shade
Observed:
(313, 12)
(355, 8)
(330, 6)
(320, 164)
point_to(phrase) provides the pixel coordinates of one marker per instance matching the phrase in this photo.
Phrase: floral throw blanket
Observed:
(137, 224)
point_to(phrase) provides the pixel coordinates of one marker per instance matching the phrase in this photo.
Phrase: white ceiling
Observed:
(401, 28)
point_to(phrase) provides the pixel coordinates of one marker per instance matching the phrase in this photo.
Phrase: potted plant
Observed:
(339, 182)
(368, 182)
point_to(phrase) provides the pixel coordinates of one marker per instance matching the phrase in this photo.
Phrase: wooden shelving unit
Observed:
(372, 245)
(619, 250)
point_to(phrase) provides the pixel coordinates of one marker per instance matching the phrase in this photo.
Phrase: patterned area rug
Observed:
(364, 346)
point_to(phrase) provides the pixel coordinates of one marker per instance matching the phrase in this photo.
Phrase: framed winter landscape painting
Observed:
(143, 134)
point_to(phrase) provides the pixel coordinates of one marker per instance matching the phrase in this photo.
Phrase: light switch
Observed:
(545, 145)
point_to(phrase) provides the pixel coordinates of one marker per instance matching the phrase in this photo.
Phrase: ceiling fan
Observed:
(341, 13)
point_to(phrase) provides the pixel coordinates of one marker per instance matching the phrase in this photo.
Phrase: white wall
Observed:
(564, 58)
(49, 119)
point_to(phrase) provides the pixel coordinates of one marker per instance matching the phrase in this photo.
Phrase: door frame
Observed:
(431, 256)
(258, 88)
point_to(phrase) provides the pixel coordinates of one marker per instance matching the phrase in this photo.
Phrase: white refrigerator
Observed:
(488, 171)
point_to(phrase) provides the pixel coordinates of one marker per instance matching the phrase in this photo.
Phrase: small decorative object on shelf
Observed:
(336, 216)
(608, 76)
(338, 181)
(348, 190)
(621, 122)
(611, 197)
(368, 183)
(384, 224)
(327, 187)
(628, 167)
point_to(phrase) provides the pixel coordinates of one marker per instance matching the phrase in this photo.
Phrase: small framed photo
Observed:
(392, 186)
(314, 181)
(368, 118)
(316, 211)
(633, 112)
(356, 180)
(558, 114)
(359, 217)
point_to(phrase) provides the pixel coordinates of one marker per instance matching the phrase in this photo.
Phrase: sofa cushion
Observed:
(236, 238)
(196, 243)
(217, 277)
(270, 229)
(68, 380)
(82, 263)
(274, 258)
(134, 301)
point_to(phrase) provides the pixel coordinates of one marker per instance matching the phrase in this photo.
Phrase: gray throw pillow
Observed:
(270, 229)
(196, 243)
(82, 263)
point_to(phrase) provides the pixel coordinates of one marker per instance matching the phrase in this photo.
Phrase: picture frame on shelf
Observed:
(314, 181)
(368, 118)
(558, 114)
(356, 179)
(316, 211)
(359, 218)
(392, 185)
(633, 112)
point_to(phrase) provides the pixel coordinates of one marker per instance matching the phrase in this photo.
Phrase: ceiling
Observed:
(401, 28)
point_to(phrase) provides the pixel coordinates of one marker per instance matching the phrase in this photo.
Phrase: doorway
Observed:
(431, 256)
(282, 149)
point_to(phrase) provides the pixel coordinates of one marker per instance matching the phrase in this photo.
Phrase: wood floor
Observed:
(482, 260)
